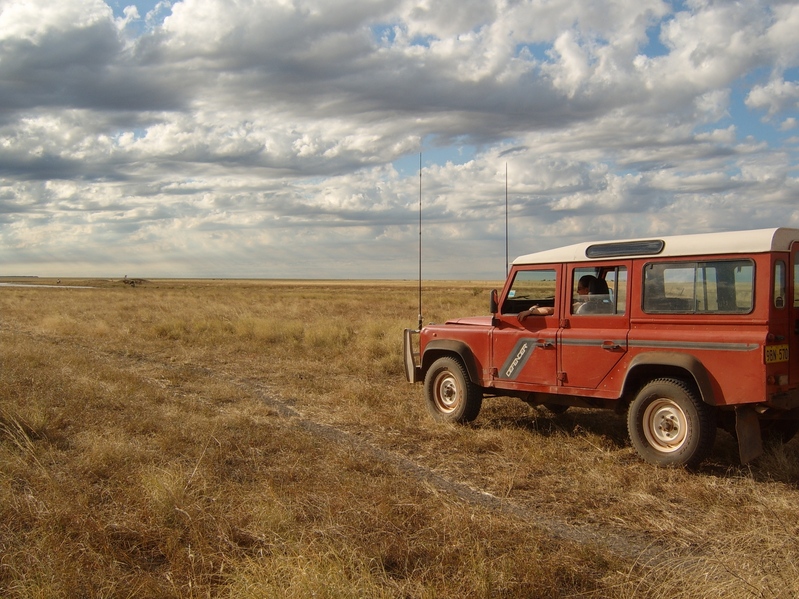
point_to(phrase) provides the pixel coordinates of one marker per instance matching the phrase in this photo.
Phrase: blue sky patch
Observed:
(433, 155)
(654, 46)
(537, 51)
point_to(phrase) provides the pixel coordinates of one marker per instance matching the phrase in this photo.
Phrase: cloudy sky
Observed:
(282, 138)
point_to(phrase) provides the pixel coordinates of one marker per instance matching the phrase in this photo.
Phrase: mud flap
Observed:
(747, 428)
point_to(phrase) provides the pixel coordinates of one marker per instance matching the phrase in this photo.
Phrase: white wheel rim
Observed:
(665, 425)
(447, 392)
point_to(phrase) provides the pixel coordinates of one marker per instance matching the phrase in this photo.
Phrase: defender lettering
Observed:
(517, 359)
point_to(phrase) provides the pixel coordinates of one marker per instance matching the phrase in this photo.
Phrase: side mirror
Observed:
(493, 305)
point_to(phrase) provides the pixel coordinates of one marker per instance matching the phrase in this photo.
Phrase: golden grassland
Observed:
(258, 439)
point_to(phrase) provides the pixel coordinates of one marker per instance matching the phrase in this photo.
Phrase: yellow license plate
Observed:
(776, 353)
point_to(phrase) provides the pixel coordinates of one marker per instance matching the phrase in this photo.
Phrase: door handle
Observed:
(610, 345)
(543, 344)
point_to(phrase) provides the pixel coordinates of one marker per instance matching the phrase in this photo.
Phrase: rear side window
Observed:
(718, 287)
(796, 280)
(600, 290)
(779, 284)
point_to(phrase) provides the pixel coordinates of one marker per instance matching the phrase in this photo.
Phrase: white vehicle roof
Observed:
(732, 242)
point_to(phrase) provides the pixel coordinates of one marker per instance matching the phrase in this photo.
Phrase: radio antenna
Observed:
(506, 220)
(420, 241)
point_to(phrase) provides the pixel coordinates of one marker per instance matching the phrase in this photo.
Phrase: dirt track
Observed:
(625, 544)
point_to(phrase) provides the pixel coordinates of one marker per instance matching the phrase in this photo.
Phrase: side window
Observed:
(796, 280)
(530, 288)
(617, 283)
(599, 290)
(721, 287)
(779, 284)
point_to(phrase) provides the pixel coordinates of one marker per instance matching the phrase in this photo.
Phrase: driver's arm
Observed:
(535, 311)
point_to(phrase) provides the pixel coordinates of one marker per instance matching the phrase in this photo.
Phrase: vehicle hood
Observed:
(481, 321)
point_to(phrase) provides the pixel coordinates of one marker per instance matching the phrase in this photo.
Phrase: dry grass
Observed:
(257, 439)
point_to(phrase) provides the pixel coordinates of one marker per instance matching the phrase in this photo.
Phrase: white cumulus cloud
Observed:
(282, 138)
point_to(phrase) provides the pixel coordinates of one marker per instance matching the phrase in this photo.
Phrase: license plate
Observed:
(776, 353)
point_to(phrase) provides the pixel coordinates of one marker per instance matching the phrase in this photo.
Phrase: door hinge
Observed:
(561, 376)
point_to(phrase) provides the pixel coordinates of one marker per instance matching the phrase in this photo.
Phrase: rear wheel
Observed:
(670, 425)
(449, 394)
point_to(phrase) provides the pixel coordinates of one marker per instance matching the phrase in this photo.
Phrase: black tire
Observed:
(670, 425)
(449, 394)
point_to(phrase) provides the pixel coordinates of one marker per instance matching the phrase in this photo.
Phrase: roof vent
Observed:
(625, 248)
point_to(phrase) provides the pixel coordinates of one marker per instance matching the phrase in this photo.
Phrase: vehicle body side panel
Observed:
(525, 356)
(468, 341)
(735, 359)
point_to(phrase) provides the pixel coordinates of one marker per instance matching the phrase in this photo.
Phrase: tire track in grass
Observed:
(627, 545)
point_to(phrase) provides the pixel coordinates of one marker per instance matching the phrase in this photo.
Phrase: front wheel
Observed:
(670, 425)
(449, 394)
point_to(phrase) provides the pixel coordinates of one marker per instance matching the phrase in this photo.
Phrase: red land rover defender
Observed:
(686, 333)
